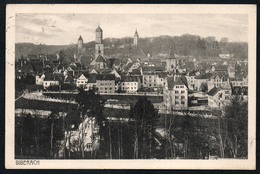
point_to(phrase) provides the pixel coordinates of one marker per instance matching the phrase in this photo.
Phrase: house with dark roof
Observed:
(218, 79)
(240, 79)
(200, 80)
(76, 68)
(161, 79)
(82, 80)
(219, 97)
(99, 62)
(190, 76)
(92, 83)
(105, 83)
(175, 94)
(130, 83)
(50, 80)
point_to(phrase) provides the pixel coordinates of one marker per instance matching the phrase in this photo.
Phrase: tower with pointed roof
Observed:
(80, 44)
(171, 62)
(99, 47)
(136, 37)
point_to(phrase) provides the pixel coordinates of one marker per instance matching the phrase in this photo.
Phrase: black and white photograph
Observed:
(162, 85)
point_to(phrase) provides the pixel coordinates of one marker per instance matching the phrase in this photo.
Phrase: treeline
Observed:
(193, 45)
(185, 45)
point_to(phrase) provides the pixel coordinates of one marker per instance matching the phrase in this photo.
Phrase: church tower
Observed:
(80, 44)
(99, 47)
(171, 62)
(136, 37)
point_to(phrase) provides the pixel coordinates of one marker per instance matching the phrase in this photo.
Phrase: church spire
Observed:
(136, 33)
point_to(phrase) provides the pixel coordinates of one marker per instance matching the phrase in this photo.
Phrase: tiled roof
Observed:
(153, 68)
(213, 91)
(204, 76)
(105, 77)
(92, 78)
(162, 74)
(180, 80)
(130, 78)
(100, 59)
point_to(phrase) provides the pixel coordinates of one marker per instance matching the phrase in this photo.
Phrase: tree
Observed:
(224, 40)
(204, 87)
(230, 129)
(54, 125)
(146, 117)
(91, 105)
(236, 117)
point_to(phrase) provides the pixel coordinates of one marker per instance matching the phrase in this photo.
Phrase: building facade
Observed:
(175, 94)
(130, 84)
(105, 83)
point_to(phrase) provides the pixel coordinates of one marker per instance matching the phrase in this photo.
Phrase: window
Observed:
(176, 92)
(226, 92)
(181, 86)
(183, 102)
(150, 85)
(177, 86)
(182, 97)
(226, 98)
(182, 91)
(105, 88)
(176, 97)
(110, 88)
(131, 87)
(176, 102)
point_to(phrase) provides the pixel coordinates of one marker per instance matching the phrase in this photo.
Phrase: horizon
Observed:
(51, 29)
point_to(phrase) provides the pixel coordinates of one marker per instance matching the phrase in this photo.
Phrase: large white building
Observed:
(130, 84)
(175, 94)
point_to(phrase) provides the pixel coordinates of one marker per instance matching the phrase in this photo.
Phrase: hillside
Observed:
(156, 46)
(30, 48)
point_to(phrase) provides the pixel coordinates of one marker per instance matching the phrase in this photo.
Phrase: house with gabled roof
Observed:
(99, 62)
(50, 80)
(219, 79)
(175, 94)
(201, 79)
(219, 97)
(82, 80)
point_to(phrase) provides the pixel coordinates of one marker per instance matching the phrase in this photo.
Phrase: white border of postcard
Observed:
(245, 164)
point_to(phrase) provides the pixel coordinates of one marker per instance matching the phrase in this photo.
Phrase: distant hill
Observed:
(30, 48)
(184, 45)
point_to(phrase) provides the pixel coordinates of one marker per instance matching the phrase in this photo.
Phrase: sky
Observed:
(64, 29)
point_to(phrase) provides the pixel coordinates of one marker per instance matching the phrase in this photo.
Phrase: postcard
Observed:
(130, 86)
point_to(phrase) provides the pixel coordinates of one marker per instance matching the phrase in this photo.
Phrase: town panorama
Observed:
(165, 97)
